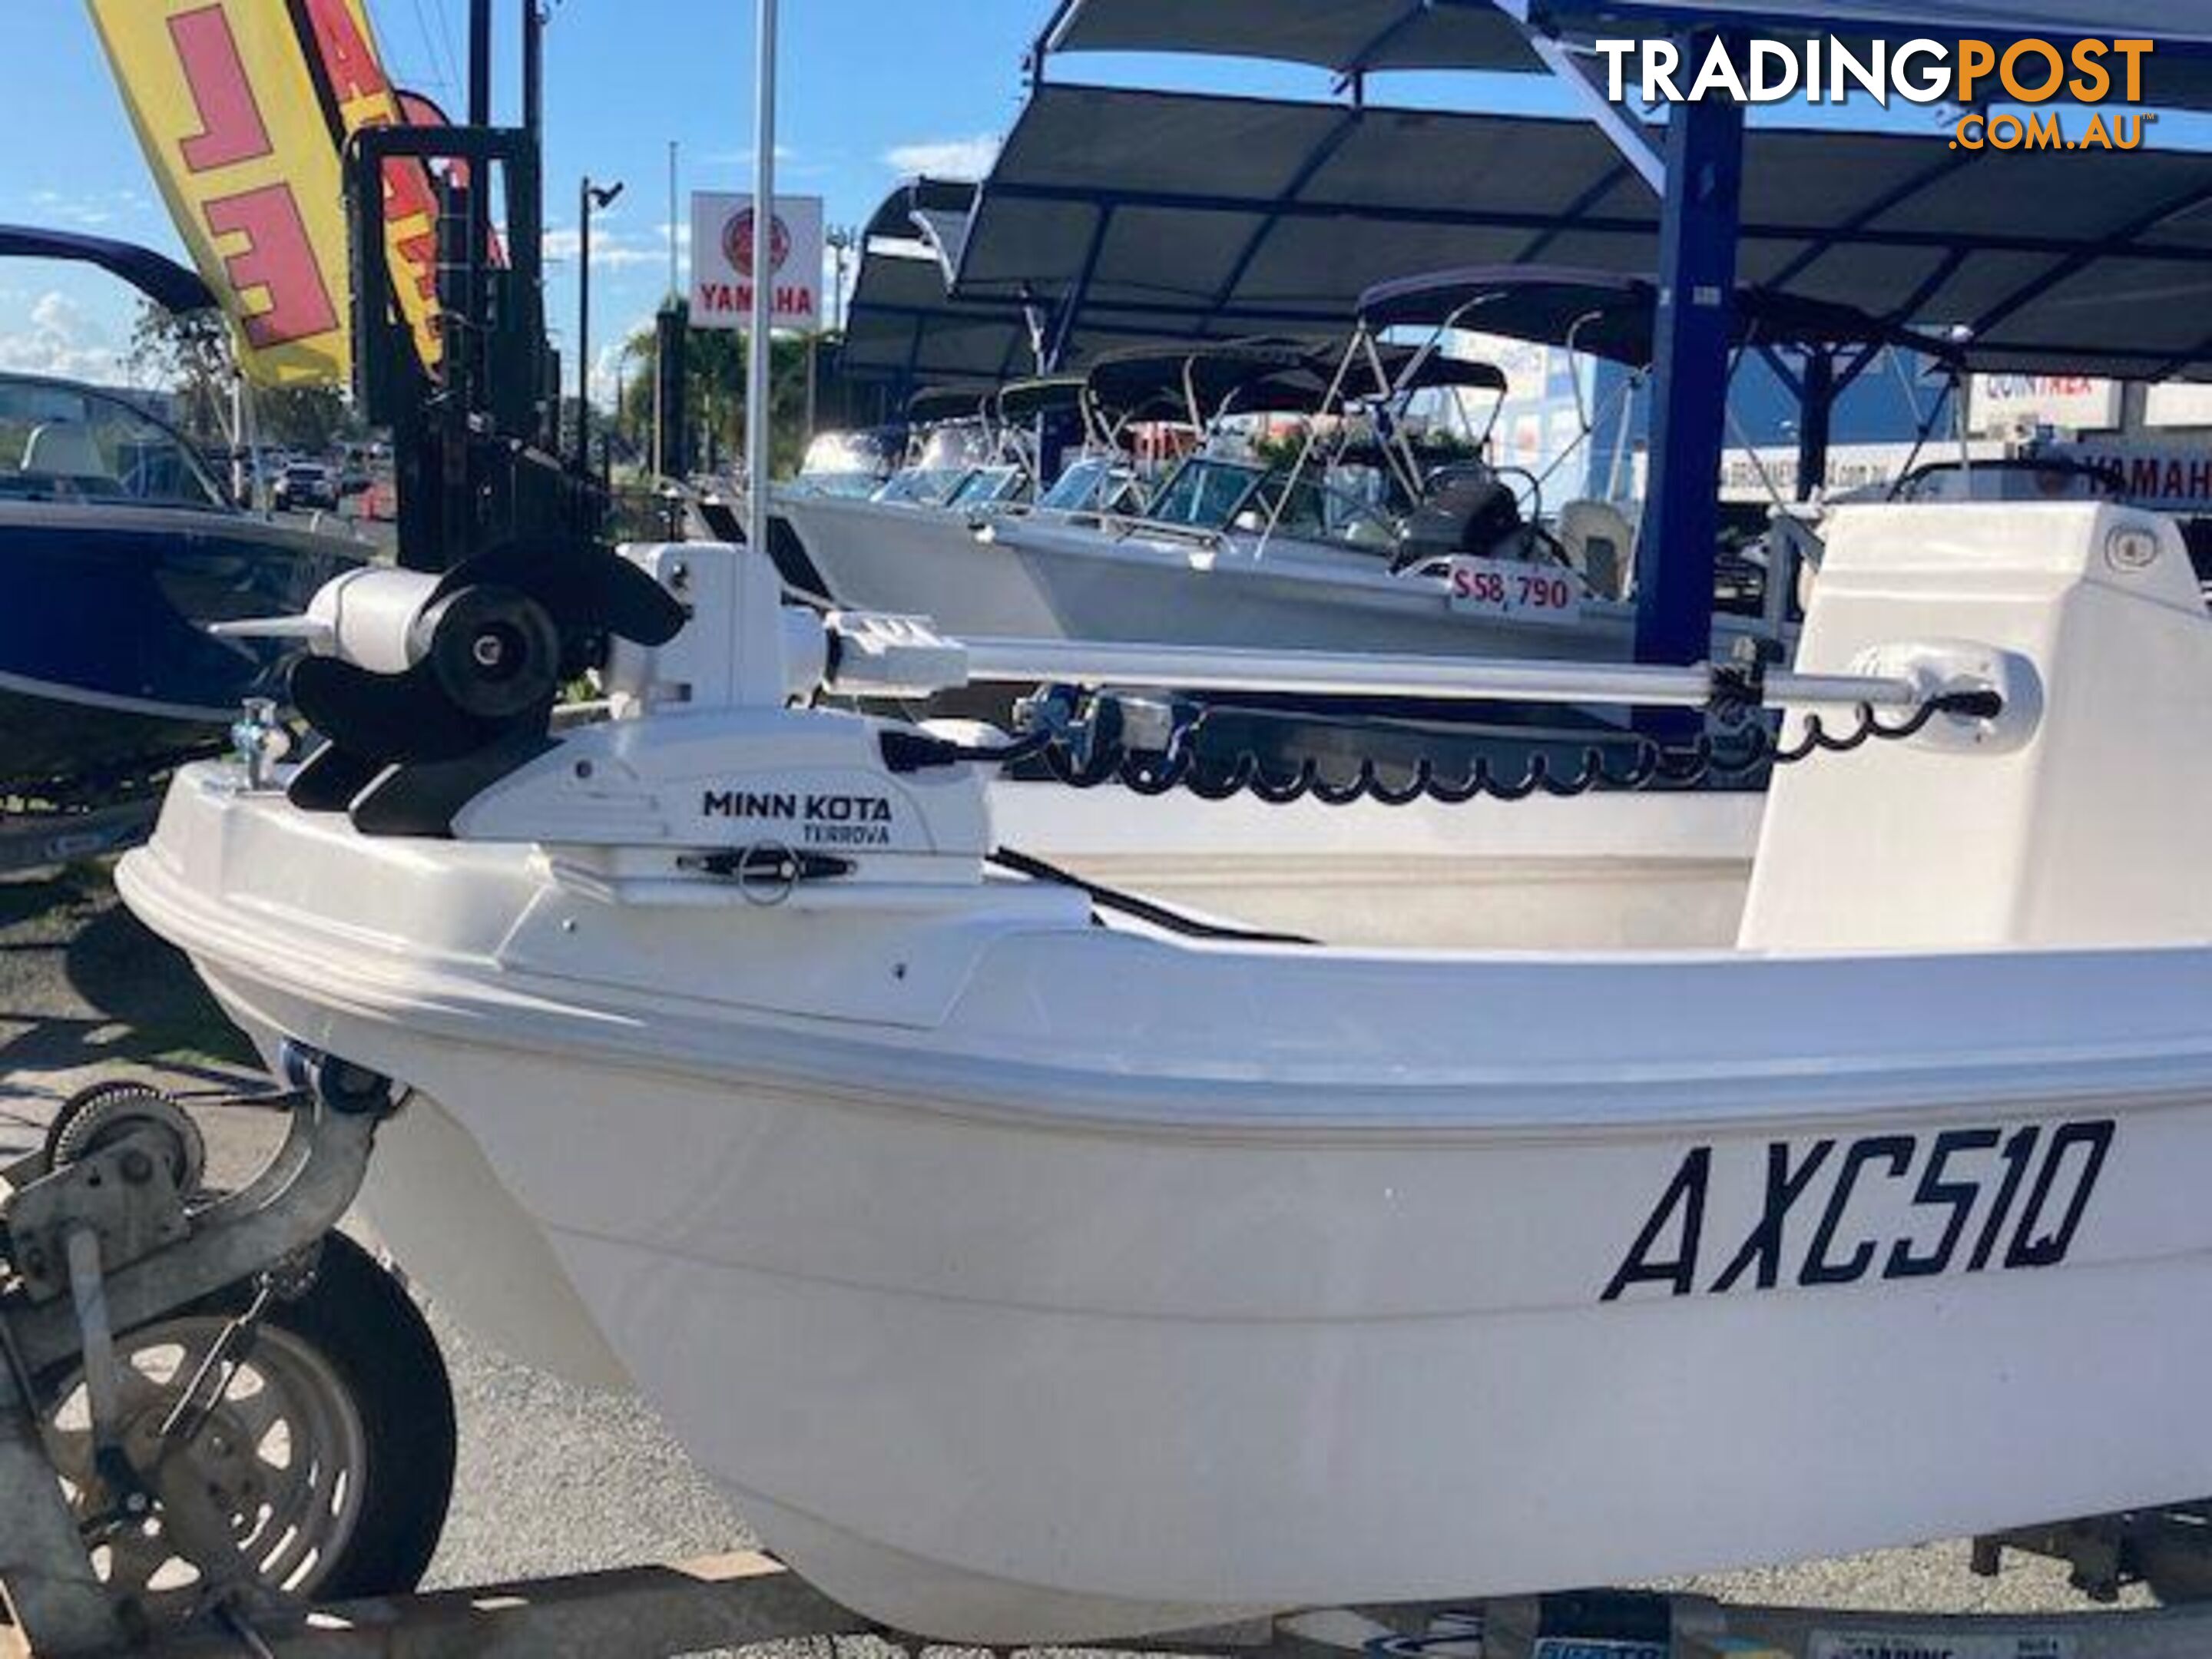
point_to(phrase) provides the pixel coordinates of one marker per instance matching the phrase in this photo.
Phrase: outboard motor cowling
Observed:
(1467, 509)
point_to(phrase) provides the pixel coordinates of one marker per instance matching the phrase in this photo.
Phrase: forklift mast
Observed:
(476, 441)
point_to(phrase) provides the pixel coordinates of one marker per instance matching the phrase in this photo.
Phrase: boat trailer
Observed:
(38, 840)
(749, 1600)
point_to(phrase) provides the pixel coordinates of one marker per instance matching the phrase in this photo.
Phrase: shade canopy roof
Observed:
(163, 281)
(1135, 214)
(902, 325)
(1346, 35)
(917, 199)
(928, 215)
(905, 326)
(1356, 36)
(1608, 314)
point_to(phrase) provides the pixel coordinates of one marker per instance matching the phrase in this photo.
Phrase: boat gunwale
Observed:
(520, 1010)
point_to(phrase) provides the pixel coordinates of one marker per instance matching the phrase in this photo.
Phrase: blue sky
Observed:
(871, 90)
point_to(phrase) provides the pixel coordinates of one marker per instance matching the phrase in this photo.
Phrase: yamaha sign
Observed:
(723, 262)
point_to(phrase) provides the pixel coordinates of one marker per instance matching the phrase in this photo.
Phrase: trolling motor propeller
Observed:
(427, 687)
(486, 656)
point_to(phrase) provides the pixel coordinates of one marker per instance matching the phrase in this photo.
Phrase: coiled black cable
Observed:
(1698, 765)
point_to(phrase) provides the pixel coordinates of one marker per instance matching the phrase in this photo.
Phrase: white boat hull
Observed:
(1000, 1340)
(1026, 1280)
(1045, 577)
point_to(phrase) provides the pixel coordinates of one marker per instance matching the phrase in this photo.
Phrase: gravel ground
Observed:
(554, 1479)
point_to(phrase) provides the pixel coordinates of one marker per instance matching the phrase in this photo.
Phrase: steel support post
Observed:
(1816, 409)
(1697, 285)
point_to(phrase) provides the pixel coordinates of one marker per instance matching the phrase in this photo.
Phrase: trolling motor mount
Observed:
(409, 672)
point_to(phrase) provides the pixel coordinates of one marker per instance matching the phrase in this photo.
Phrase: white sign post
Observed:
(723, 262)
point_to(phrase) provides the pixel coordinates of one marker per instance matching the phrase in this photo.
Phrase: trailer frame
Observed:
(749, 1600)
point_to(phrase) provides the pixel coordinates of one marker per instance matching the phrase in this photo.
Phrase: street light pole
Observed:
(842, 239)
(839, 240)
(759, 351)
(588, 197)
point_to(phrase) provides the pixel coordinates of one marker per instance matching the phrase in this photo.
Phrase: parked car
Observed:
(306, 485)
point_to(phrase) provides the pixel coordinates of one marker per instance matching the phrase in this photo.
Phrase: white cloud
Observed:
(63, 339)
(611, 249)
(945, 158)
(91, 210)
(743, 158)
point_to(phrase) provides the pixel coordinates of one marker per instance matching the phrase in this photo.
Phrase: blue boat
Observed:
(117, 548)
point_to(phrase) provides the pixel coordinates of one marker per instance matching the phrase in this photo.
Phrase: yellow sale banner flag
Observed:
(356, 95)
(225, 105)
(244, 108)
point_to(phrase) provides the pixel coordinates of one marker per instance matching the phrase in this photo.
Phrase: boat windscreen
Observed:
(1204, 494)
(989, 486)
(850, 455)
(1094, 483)
(925, 486)
(958, 446)
(61, 441)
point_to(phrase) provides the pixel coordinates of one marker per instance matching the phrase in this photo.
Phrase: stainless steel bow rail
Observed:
(1330, 674)
(1153, 743)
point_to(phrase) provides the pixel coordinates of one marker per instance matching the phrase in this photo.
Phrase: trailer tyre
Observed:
(331, 1455)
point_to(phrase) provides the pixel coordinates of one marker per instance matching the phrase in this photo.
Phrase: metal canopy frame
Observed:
(1054, 229)
(1358, 37)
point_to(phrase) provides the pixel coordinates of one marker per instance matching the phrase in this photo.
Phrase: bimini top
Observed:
(935, 404)
(1608, 314)
(1200, 383)
(166, 283)
(1023, 401)
(1282, 377)
(1355, 37)
(1175, 216)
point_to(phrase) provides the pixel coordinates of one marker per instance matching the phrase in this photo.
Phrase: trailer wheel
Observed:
(329, 1453)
